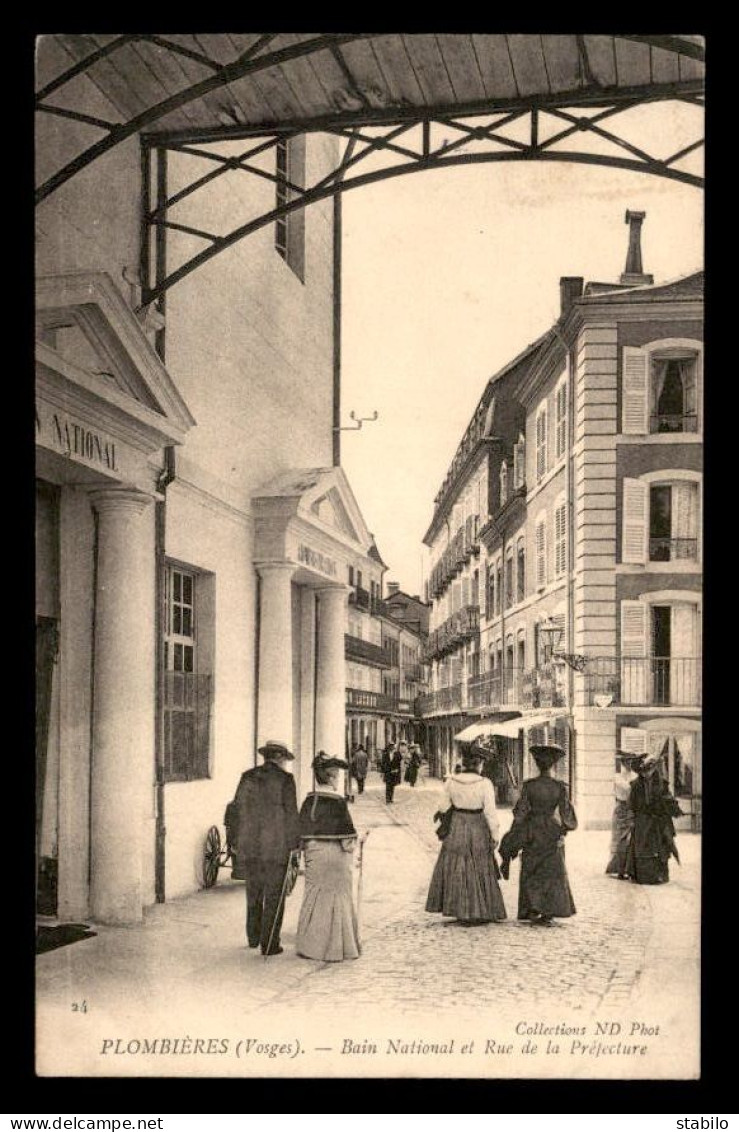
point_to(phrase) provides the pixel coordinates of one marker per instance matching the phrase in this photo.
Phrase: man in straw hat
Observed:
(267, 832)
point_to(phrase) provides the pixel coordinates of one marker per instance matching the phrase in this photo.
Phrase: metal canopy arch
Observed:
(502, 98)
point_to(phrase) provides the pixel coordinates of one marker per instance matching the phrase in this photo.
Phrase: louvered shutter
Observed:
(541, 444)
(635, 521)
(635, 392)
(560, 540)
(634, 650)
(487, 592)
(541, 551)
(561, 429)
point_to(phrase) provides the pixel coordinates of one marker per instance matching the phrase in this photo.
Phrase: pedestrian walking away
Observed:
(414, 762)
(652, 840)
(360, 765)
(267, 834)
(464, 883)
(327, 926)
(544, 889)
(391, 770)
(622, 822)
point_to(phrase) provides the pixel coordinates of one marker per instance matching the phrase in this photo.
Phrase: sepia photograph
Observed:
(369, 398)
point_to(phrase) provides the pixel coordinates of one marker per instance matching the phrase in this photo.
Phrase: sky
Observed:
(448, 274)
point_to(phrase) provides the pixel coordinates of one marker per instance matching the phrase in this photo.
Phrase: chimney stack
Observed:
(634, 275)
(392, 588)
(570, 289)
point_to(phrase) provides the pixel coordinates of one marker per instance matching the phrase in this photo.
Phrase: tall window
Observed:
(674, 395)
(659, 521)
(290, 227)
(498, 587)
(503, 483)
(509, 597)
(660, 391)
(520, 570)
(561, 419)
(187, 681)
(541, 443)
(519, 462)
(560, 540)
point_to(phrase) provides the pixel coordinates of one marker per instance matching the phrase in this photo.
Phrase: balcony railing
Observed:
(673, 549)
(655, 681)
(451, 698)
(357, 649)
(365, 700)
(673, 422)
(360, 598)
(543, 687)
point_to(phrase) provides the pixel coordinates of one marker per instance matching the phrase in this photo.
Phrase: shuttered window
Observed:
(635, 392)
(634, 651)
(561, 420)
(560, 540)
(635, 521)
(541, 443)
(541, 553)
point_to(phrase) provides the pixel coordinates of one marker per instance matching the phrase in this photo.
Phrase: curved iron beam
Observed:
(312, 196)
(246, 64)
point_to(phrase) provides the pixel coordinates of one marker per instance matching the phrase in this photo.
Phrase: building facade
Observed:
(590, 575)
(192, 581)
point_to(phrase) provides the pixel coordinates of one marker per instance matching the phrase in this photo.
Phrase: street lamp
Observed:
(575, 660)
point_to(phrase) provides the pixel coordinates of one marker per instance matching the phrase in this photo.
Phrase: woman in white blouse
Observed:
(464, 883)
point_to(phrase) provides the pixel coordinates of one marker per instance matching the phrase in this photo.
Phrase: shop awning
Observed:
(486, 729)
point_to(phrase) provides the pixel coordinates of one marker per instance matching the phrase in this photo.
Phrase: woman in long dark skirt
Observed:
(544, 890)
(652, 841)
(622, 821)
(464, 883)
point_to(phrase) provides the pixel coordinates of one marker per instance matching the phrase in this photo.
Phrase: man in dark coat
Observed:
(360, 765)
(391, 768)
(267, 832)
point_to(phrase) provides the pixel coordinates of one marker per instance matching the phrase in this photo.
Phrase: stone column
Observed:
(275, 704)
(331, 676)
(123, 704)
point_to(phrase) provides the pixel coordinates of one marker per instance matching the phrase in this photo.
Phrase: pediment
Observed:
(85, 327)
(320, 496)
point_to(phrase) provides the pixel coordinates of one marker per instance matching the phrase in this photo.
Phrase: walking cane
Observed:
(280, 902)
(360, 863)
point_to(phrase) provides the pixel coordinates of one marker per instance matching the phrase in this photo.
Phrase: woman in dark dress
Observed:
(652, 840)
(464, 883)
(327, 926)
(544, 890)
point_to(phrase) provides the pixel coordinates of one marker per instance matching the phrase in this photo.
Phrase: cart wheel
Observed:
(211, 857)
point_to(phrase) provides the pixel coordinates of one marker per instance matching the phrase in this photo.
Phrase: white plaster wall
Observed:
(206, 536)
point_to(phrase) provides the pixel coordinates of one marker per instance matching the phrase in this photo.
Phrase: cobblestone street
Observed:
(630, 953)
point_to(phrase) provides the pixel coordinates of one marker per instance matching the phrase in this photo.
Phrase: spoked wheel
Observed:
(211, 857)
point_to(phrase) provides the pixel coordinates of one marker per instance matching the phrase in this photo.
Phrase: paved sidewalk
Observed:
(187, 966)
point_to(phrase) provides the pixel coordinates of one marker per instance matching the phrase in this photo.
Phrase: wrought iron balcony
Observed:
(364, 700)
(357, 649)
(544, 686)
(655, 681)
(449, 699)
(360, 599)
(673, 422)
(673, 549)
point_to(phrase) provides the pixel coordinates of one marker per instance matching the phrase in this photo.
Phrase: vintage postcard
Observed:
(369, 551)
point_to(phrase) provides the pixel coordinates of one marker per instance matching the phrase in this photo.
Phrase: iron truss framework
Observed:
(375, 154)
(588, 125)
